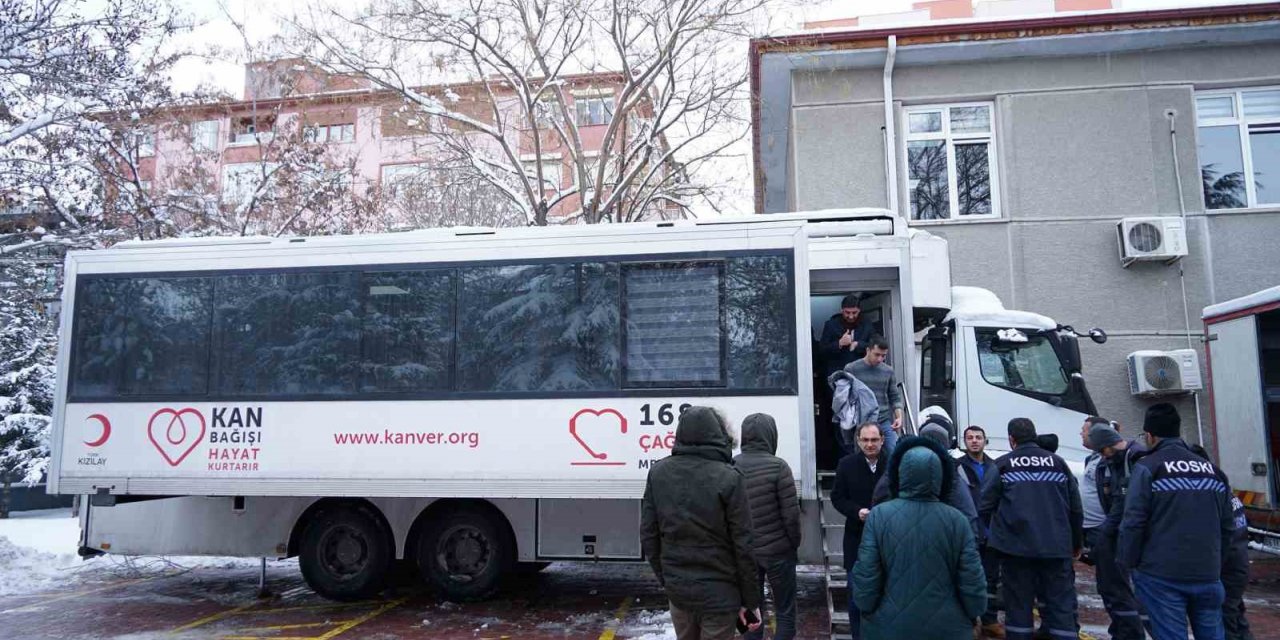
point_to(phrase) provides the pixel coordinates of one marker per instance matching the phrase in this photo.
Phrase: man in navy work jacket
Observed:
(1032, 508)
(1128, 620)
(1177, 525)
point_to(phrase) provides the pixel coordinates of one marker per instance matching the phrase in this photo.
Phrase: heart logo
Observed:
(573, 427)
(173, 438)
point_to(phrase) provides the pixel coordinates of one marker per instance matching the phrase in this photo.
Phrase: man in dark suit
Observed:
(856, 479)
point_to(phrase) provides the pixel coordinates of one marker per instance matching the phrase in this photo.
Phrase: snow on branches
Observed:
(601, 111)
(26, 373)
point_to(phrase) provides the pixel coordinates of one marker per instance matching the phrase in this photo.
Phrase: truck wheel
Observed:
(463, 554)
(345, 554)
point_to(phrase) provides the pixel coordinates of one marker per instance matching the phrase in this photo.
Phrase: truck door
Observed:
(1239, 415)
(1018, 378)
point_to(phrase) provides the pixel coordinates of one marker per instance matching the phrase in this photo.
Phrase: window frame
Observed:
(721, 266)
(226, 197)
(950, 140)
(313, 133)
(201, 129)
(623, 390)
(607, 108)
(1241, 122)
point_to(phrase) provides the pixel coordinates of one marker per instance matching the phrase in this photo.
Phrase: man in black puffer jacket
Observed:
(775, 518)
(695, 530)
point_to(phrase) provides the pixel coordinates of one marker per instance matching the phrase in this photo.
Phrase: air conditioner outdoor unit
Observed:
(1151, 239)
(1158, 373)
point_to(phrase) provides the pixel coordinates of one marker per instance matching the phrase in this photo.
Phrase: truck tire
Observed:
(463, 554)
(345, 553)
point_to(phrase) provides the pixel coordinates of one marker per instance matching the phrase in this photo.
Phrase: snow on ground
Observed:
(648, 625)
(38, 553)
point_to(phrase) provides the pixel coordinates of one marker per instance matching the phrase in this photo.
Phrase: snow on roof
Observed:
(975, 305)
(1266, 296)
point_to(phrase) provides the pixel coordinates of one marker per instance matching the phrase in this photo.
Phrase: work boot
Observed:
(994, 630)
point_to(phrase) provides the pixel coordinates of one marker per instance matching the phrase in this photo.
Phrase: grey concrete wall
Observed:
(851, 140)
(1081, 143)
(1245, 250)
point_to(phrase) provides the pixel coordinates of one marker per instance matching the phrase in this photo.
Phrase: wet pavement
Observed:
(608, 602)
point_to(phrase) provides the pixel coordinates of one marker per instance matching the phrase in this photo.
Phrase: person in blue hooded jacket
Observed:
(918, 574)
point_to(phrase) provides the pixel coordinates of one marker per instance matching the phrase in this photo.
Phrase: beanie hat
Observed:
(938, 434)
(1048, 442)
(1162, 421)
(1102, 436)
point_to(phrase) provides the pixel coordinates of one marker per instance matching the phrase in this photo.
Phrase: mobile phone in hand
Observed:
(751, 619)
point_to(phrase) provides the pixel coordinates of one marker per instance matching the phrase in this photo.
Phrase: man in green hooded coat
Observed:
(918, 576)
(696, 530)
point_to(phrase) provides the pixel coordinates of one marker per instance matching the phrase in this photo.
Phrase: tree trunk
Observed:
(4, 498)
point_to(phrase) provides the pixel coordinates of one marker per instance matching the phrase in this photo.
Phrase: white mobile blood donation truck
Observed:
(475, 400)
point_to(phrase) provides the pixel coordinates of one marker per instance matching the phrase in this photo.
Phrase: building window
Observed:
(331, 132)
(546, 113)
(250, 130)
(144, 141)
(204, 135)
(397, 178)
(1239, 136)
(951, 162)
(241, 181)
(594, 111)
(550, 172)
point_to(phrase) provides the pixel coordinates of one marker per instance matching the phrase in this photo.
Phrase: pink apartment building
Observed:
(370, 128)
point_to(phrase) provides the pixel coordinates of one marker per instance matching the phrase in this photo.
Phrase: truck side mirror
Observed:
(1070, 350)
(1098, 335)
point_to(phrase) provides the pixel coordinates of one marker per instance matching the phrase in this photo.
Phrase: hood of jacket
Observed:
(702, 433)
(760, 434)
(917, 470)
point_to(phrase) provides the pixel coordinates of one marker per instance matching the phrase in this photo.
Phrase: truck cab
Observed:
(984, 364)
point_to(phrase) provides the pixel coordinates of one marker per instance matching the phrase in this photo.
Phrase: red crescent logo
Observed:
(106, 430)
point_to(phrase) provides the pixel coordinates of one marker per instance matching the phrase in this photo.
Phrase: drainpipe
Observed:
(1171, 114)
(890, 131)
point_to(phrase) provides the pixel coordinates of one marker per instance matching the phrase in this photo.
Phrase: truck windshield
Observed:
(1024, 366)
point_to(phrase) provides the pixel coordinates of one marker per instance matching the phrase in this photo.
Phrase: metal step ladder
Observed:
(833, 551)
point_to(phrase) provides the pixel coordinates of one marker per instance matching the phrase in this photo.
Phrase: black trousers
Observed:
(991, 566)
(1235, 577)
(1049, 580)
(781, 576)
(1127, 615)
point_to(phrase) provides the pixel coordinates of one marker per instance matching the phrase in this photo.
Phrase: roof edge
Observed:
(1020, 27)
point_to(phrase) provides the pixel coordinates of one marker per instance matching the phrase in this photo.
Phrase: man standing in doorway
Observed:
(1177, 525)
(1032, 507)
(872, 371)
(975, 467)
(844, 336)
(856, 479)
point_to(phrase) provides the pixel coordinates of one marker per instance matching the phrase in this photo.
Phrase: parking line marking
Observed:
(613, 625)
(317, 607)
(362, 619)
(286, 627)
(212, 618)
